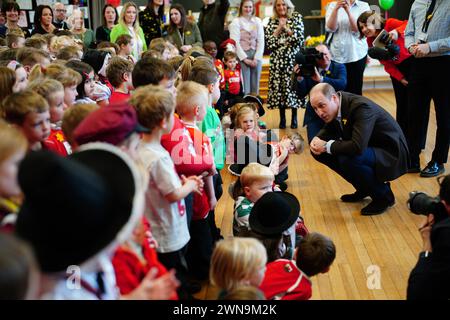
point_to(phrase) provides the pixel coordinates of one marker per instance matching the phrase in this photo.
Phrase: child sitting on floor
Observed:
(290, 279)
(236, 262)
(255, 181)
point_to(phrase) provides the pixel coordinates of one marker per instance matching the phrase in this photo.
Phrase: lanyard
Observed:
(428, 16)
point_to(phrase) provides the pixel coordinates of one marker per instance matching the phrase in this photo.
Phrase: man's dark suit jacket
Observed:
(430, 278)
(365, 124)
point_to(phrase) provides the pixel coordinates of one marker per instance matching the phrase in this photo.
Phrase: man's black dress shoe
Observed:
(378, 206)
(354, 197)
(432, 169)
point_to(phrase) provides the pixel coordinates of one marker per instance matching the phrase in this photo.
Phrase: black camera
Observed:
(422, 204)
(307, 60)
(384, 39)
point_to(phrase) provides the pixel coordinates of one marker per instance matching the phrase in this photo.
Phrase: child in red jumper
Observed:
(290, 279)
(53, 91)
(233, 88)
(119, 75)
(137, 259)
(211, 49)
(192, 101)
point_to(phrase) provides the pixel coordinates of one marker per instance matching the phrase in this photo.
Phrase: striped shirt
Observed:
(438, 30)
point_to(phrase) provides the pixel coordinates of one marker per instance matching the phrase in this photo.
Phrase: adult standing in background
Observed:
(78, 29)
(284, 38)
(43, 20)
(212, 20)
(110, 19)
(427, 38)
(129, 24)
(346, 45)
(60, 16)
(397, 65)
(181, 32)
(11, 10)
(248, 33)
(152, 20)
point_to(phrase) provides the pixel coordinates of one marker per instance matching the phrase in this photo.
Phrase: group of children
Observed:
(113, 166)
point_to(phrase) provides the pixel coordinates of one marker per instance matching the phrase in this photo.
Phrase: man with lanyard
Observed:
(327, 71)
(427, 37)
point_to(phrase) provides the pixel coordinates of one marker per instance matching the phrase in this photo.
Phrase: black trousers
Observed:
(429, 79)
(357, 170)
(355, 75)
(402, 95)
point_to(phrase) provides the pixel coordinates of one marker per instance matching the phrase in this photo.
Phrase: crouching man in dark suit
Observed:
(361, 142)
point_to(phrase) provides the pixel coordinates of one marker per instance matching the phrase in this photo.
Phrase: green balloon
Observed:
(386, 4)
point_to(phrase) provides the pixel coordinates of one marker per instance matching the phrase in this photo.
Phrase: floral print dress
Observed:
(283, 49)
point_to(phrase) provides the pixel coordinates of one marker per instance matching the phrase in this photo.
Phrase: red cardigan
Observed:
(389, 65)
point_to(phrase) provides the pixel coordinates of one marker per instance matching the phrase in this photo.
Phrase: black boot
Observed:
(294, 124)
(282, 118)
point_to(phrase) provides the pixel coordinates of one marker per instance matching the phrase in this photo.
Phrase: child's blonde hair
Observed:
(116, 68)
(244, 110)
(189, 95)
(298, 141)
(12, 140)
(60, 42)
(69, 53)
(68, 77)
(36, 41)
(245, 293)
(205, 72)
(17, 105)
(28, 56)
(46, 88)
(73, 116)
(153, 104)
(255, 172)
(235, 260)
(13, 36)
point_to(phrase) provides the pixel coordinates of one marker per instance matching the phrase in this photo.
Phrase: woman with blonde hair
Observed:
(284, 38)
(79, 31)
(236, 262)
(129, 24)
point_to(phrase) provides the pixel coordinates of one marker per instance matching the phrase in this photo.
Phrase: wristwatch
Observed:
(425, 254)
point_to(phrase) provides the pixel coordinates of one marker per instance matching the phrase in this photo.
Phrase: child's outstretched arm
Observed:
(190, 184)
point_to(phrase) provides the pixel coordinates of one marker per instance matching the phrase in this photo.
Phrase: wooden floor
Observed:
(389, 242)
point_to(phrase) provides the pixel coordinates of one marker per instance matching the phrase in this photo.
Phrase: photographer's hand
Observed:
(425, 231)
(316, 77)
(404, 82)
(393, 35)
